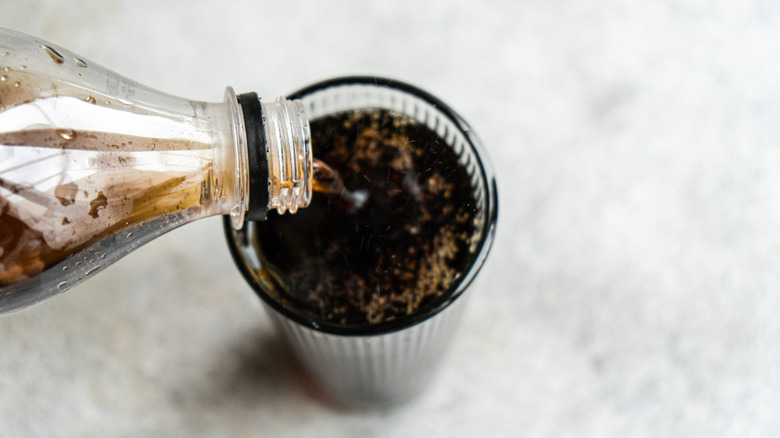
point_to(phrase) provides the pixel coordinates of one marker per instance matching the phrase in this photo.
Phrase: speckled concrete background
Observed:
(635, 283)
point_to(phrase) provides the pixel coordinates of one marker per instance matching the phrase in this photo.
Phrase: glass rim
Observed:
(460, 286)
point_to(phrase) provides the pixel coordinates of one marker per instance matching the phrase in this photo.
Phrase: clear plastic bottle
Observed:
(93, 165)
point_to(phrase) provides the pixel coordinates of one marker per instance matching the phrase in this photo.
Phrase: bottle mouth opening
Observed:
(288, 148)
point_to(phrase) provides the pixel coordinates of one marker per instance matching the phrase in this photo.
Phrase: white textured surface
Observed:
(635, 283)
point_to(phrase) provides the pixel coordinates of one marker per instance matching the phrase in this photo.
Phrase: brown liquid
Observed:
(41, 225)
(402, 249)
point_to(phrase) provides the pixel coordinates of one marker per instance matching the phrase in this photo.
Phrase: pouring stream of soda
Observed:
(328, 181)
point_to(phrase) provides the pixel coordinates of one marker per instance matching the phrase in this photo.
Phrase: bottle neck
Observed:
(278, 161)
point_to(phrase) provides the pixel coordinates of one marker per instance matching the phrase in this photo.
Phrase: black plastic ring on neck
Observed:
(257, 157)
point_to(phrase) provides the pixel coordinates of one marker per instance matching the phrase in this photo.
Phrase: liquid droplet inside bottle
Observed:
(66, 134)
(17, 84)
(90, 99)
(62, 285)
(55, 56)
(5, 53)
(3, 78)
(80, 62)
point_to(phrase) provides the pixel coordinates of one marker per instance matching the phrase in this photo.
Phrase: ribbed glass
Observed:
(375, 369)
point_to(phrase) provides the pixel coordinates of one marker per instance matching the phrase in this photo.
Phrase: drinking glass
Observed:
(391, 361)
